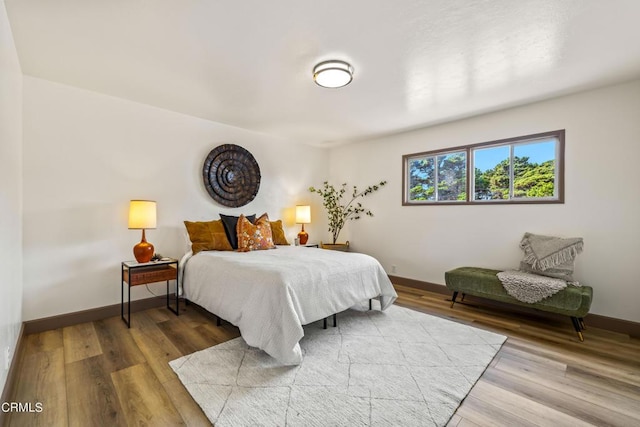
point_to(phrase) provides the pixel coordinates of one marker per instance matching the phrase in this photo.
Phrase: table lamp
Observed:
(303, 216)
(142, 215)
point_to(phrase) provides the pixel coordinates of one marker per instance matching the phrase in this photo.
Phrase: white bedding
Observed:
(270, 294)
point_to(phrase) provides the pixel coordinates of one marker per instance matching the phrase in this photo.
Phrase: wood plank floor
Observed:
(102, 373)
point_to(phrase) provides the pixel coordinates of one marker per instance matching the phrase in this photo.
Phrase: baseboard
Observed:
(596, 320)
(419, 284)
(14, 367)
(90, 315)
(612, 324)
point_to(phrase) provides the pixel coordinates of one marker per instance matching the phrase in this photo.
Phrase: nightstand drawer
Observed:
(141, 276)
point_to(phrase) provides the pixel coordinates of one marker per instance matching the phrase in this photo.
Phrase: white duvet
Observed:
(270, 294)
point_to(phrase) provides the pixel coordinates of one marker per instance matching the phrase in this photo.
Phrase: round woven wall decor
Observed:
(231, 175)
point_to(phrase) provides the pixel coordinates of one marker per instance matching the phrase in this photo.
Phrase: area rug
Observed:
(395, 368)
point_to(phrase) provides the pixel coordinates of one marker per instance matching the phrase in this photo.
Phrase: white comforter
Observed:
(270, 294)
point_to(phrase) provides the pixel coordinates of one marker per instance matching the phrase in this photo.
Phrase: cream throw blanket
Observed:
(545, 252)
(530, 288)
(543, 256)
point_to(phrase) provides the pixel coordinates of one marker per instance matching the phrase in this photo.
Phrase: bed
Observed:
(270, 294)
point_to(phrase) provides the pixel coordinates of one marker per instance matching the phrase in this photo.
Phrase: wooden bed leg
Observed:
(576, 326)
(218, 321)
(453, 298)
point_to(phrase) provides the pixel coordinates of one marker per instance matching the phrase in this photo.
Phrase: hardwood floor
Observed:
(102, 373)
(542, 375)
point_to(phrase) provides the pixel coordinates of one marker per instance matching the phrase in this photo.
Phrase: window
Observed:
(439, 177)
(527, 169)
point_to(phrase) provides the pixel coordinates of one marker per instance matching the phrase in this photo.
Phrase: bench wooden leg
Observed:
(576, 326)
(453, 298)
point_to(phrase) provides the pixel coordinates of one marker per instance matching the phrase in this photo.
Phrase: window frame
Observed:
(558, 135)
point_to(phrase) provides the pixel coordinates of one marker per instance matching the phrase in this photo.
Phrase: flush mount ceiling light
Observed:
(333, 74)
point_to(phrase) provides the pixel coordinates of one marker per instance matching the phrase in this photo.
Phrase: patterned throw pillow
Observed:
(254, 237)
(207, 236)
(278, 233)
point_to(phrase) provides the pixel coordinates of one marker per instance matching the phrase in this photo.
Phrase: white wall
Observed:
(10, 192)
(601, 197)
(86, 155)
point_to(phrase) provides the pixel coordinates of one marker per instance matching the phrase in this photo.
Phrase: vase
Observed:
(344, 247)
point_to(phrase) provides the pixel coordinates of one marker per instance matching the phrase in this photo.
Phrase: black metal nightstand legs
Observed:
(177, 310)
(134, 274)
(122, 293)
(126, 321)
(129, 308)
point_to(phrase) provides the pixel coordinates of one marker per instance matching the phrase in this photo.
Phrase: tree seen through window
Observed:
(523, 169)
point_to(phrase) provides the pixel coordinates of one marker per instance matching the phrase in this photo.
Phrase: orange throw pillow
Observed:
(278, 233)
(254, 237)
(207, 236)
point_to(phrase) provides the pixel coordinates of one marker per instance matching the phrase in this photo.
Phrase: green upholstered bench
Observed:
(572, 301)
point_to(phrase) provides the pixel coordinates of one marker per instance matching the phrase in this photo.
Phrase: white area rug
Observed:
(394, 368)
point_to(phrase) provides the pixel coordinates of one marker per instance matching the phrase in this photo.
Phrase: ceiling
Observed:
(248, 63)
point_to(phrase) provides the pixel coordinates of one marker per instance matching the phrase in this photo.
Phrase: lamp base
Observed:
(303, 236)
(143, 251)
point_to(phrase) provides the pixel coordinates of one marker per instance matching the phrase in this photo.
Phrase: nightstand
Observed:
(135, 273)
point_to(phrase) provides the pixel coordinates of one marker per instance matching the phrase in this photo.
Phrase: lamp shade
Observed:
(142, 214)
(303, 214)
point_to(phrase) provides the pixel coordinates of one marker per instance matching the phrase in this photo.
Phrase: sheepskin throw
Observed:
(529, 288)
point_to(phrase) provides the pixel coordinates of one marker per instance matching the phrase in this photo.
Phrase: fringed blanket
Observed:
(530, 288)
(545, 252)
(545, 270)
